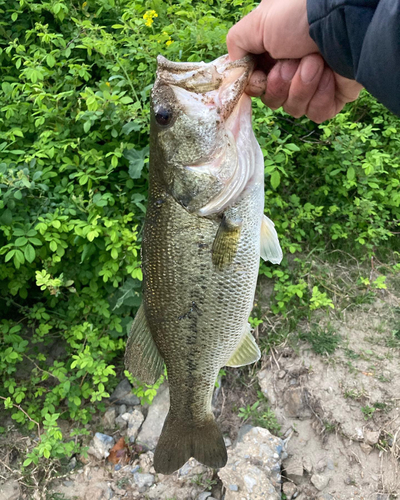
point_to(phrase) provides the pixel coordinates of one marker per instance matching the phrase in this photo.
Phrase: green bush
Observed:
(74, 118)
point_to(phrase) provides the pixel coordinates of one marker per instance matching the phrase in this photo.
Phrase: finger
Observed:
(257, 84)
(322, 105)
(304, 84)
(347, 90)
(246, 36)
(278, 83)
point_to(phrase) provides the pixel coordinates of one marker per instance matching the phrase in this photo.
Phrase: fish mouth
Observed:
(221, 82)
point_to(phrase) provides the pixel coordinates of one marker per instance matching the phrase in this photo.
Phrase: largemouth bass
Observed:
(203, 236)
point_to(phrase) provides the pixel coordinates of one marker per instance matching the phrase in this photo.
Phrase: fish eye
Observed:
(163, 116)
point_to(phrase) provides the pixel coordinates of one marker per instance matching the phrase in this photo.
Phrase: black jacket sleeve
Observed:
(360, 39)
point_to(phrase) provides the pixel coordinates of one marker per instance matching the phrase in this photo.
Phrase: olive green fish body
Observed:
(203, 236)
(197, 313)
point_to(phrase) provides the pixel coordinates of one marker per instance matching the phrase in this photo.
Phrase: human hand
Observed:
(290, 72)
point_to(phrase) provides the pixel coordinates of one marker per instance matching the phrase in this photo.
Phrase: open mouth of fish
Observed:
(218, 87)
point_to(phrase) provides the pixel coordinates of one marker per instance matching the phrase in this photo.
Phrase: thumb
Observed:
(246, 36)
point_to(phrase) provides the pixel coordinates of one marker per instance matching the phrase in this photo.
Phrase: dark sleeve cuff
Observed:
(339, 28)
(360, 39)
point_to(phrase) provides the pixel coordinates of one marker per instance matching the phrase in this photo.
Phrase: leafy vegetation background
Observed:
(74, 123)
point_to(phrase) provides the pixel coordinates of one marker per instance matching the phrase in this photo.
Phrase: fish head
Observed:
(198, 111)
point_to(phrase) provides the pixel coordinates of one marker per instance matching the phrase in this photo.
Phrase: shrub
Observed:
(74, 118)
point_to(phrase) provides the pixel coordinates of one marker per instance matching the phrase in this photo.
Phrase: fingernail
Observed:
(310, 67)
(325, 80)
(288, 69)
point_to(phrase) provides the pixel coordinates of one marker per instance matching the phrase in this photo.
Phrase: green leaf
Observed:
(126, 100)
(6, 217)
(130, 127)
(275, 179)
(29, 253)
(351, 173)
(9, 255)
(50, 60)
(87, 125)
(21, 241)
(136, 161)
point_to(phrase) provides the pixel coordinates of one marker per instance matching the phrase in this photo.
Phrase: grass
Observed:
(322, 340)
(260, 415)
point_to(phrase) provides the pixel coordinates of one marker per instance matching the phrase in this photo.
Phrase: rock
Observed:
(371, 437)
(253, 467)
(295, 404)
(366, 448)
(330, 464)
(321, 465)
(109, 418)
(289, 489)
(10, 490)
(122, 394)
(121, 422)
(71, 464)
(227, 442)
(307, 465)
(204, 495)
(152, 426)
(95, 494)
(143, 481)
(192, 468)
(101, 445)
(266, 383)
(319, 481)
(243, 431)
(326, 496)
(293, 469)
(281, 374)
(122, 409)
(135, 421)
(146, 462)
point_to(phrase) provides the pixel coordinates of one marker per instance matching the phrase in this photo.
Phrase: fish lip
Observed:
(202, 78)
(164, 64)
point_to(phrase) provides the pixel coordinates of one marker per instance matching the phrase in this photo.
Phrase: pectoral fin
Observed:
(226, 242)
(247, 351)
(142, 358)
(270, 247)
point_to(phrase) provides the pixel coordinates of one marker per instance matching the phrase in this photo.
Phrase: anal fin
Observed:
(226, 242)
(270, 248)
(142, 358)
(247, 351)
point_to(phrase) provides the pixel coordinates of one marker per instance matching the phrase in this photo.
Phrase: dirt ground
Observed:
(338, 411)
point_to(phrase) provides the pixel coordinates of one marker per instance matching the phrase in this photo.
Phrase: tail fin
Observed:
(179, 442)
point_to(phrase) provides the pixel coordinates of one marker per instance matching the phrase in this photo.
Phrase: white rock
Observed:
(371, 437)
(10, 490)
(135, 421)
(152, 426)
(319, 481)
(289, 489)
(143, 480)
(109, 418)
(244, 480)
(101, 445)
